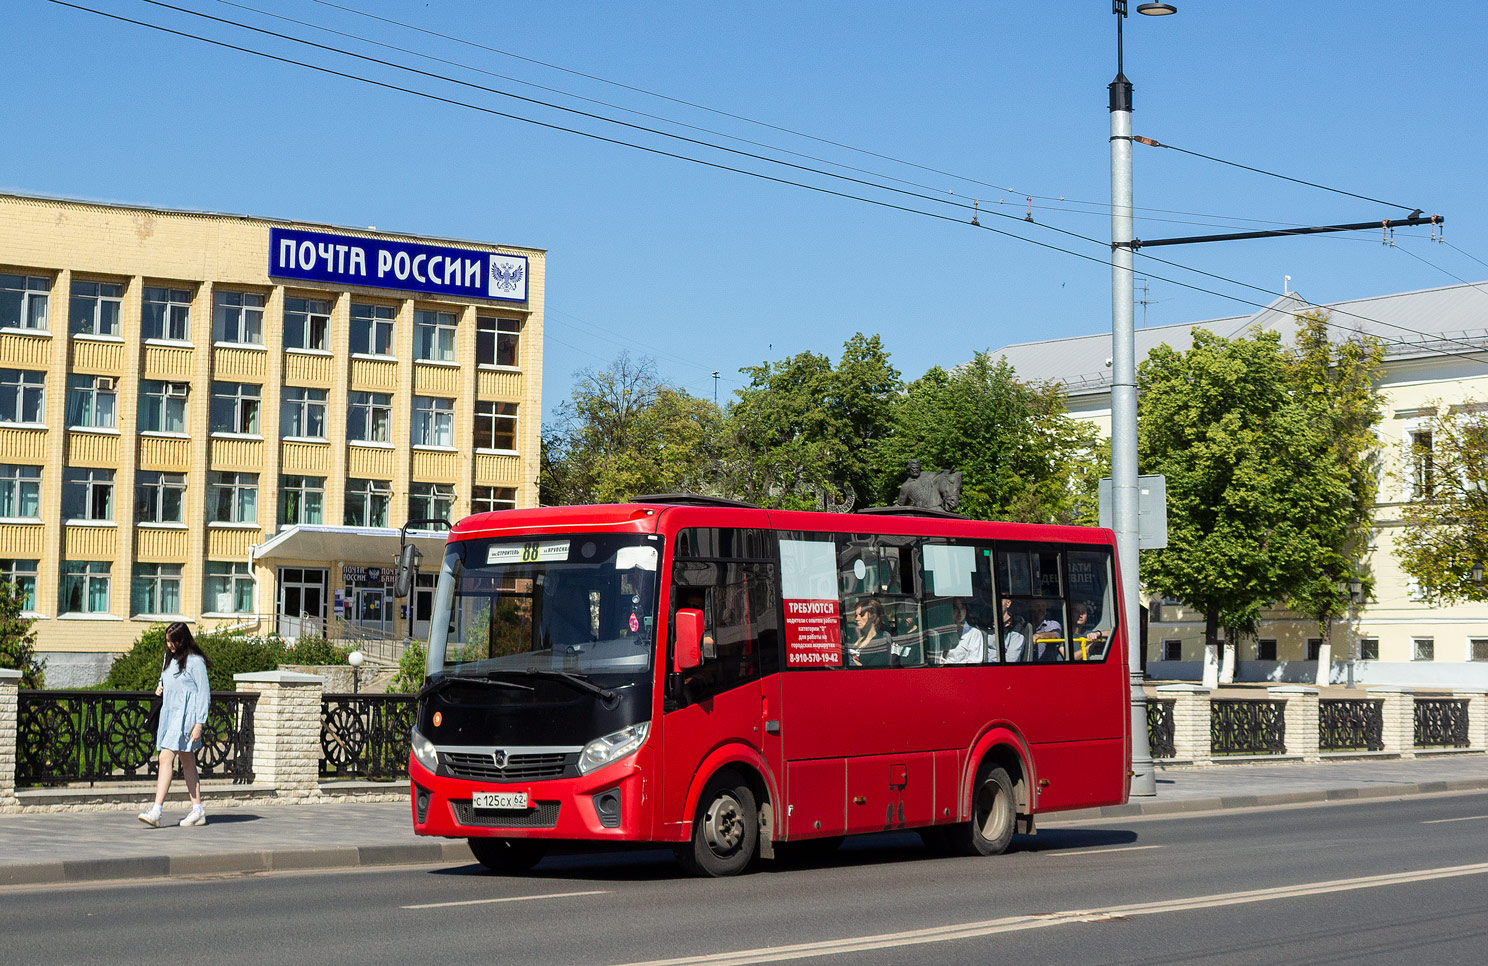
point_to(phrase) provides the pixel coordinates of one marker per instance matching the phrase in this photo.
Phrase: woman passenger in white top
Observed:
(971, 648)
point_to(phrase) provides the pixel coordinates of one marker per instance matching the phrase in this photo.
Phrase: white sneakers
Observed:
(151, 816)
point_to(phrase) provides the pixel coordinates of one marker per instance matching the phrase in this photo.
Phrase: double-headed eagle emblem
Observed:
(507, 277)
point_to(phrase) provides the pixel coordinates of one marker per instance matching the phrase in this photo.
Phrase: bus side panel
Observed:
(1081, 774)
(690, 734)
(817, 793)
(948, 768)
(890, 791)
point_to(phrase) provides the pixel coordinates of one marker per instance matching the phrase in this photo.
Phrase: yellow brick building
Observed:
(226, 420)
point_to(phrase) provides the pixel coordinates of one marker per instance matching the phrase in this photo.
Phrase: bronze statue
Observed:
(940, 490)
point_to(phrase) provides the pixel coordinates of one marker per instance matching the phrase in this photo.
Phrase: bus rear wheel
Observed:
(725, 832)
(994, 814)
(508, 856)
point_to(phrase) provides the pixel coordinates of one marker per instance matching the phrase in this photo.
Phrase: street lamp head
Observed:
(355, 658)
(1477, 573)
(1356, 589)
(1156, 9)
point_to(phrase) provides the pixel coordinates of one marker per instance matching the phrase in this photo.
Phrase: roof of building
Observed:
(1436, 321)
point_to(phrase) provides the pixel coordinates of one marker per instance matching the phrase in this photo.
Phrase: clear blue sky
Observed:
(703, 269)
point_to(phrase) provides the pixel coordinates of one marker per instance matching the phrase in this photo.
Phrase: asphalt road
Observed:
(1380, 882)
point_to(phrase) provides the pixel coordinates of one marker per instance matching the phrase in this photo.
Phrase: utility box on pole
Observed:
(1152, 510)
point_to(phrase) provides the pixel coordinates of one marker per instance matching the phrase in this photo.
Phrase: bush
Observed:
(410, 676)
(228, 653)
(314, 649)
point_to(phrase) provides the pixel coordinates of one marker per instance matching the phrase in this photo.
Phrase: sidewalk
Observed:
(89, 846)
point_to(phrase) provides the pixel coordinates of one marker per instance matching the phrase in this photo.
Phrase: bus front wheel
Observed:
(725, 832)
(508, 856)
(994, 814)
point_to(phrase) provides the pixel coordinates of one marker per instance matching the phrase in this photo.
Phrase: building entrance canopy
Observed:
(377, 546)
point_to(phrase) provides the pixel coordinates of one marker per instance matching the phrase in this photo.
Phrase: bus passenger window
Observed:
(1093, 606)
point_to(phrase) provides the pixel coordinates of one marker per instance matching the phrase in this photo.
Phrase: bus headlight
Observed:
(423, 751)
(611, 748)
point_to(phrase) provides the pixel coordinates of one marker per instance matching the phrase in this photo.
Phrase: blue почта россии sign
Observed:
(319, 256)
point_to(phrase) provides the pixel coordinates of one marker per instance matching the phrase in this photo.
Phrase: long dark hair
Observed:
(179, 634)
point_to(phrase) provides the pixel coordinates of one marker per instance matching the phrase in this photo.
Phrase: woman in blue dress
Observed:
(186, 697)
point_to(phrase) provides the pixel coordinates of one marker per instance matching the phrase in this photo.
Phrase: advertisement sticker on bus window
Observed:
(533, 551)
(629, 558)
(949, 569)
(808, 586)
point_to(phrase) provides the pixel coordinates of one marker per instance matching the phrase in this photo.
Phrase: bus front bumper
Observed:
(610, 804)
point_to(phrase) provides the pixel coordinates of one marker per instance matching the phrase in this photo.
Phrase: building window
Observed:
(162, 406)
(87, 494)
(301, 500)
(367, 503)
(94, 308)
(22, 396)
(167, 314)
(302, 414)
(496, 341)
(1171, 650)
(235, 407)
(92, 402)
(1266, 649)
(85, 587)
(159, 498)
(232, 498)
(237, 317)
(1369, 649)
(1477, 649)
(1314, 648)
(434, 335)
(1423, 649)
(1423, 469)
(20, 492)
(496, 425)
(23, 302)
(372, 329)
(431, 501)
(307, 324)
(21, 576)
(485, 499)
(156, 590)
(228, 588)
(368, 416)
(433, 421)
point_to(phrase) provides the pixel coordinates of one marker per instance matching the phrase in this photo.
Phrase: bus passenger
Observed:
(1089, 644)
(1015, 633)
(971, 648)
(1048, 635)
(872, 639)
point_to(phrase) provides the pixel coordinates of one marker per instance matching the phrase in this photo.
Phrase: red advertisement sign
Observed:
(813, 635)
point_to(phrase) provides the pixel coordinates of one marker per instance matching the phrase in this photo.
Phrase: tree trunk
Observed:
(1211, 647)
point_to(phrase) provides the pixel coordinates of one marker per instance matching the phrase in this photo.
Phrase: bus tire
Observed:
(508, 856)
(725, 832)
(994, 814)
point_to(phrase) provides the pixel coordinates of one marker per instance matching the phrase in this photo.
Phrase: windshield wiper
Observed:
(573, 678)
(488, 679)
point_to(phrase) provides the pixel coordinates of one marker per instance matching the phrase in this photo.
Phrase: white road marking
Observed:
(1469, 818)
(970, 930)
(1124, 848)
(482, 902)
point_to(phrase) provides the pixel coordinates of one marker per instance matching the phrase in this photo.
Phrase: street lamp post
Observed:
(1355, 593)
(1124, 396)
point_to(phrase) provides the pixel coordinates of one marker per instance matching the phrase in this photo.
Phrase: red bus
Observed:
(733, 681)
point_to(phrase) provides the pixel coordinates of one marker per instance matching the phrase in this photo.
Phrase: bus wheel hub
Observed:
(724, 825)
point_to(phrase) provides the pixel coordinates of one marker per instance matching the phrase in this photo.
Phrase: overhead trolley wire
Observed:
(1474, 350)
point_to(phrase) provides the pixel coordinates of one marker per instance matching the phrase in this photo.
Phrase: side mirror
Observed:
(688, 650)
(408, 559)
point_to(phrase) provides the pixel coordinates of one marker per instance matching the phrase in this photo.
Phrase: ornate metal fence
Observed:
(1247, 727)
(1351, 725)
(1441, 723)
(1160, 728)
(101, 736)
(365, 735)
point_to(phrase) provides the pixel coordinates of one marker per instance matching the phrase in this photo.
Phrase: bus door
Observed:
(731, 700)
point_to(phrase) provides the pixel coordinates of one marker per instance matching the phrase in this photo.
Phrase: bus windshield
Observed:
(580, 604)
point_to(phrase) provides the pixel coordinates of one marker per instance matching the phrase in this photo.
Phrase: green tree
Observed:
(1446, 524)
(1255, 500)
(1020, 454)
(624, 432)
(17, 641)
(1338, 385)
(803, 434)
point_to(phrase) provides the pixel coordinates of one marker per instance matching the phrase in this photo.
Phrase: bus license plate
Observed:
(506, 800)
